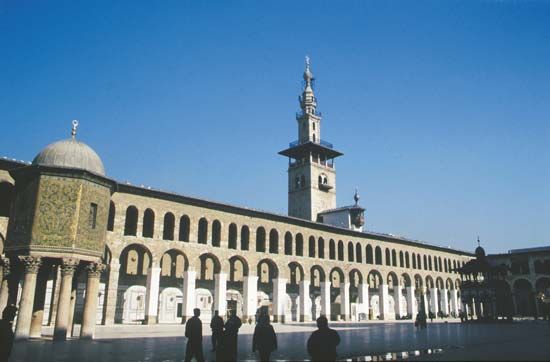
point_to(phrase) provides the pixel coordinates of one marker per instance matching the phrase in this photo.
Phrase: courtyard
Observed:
(522, 340)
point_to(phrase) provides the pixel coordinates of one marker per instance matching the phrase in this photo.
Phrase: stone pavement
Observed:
(525, 340)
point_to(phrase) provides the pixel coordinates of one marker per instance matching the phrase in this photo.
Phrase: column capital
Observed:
(31, 263)
(95, 269)
(68, 266)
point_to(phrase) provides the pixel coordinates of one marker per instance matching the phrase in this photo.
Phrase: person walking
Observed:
(230, 338)
(322, 343)
(216, 324)
(193, 332)
(264, 339)
(6, 332)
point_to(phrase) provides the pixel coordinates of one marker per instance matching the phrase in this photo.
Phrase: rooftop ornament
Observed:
(73, 131)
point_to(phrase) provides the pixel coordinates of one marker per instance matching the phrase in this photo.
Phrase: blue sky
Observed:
(441, 107)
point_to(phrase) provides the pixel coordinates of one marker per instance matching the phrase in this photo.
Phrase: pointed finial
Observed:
(75, 125)
(478, 242)
(307, 62)
(356, 197)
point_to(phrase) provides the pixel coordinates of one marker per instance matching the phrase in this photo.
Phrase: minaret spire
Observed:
(73, 131)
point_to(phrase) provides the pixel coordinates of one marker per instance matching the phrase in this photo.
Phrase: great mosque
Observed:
(81, 248)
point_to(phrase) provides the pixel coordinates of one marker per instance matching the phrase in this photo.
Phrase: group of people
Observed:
(321, 345)
(421, 320)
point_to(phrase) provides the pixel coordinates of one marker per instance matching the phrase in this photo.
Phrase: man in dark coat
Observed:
(231, 336)
(6, 332)
(264, 340)
(216, 324)
(322, 343)
(193, 332)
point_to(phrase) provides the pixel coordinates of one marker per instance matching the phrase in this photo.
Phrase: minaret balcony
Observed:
(325, 187)
(321, 142)
(301, 114)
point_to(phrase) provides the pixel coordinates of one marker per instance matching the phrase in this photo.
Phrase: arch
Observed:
(439, 283)
(374, 279)
(184, 228)
(405, 280)
(523, 291)
(378, 255)
(436, 265)
(168, 227)
(414, 260)
(425, 262)
(418, 282)
(6, 198)
(401, 259)
(430, 263)
(173, 263)
(299, 245)
(332, 250)
(340, 250)
(110, 218)
(260, 239)
(311, 249)
(238, 268)
(296, 273)
(317, 276)
(216, 233)
(321, 248)
(232, 236)
(202, 235)
(369, 254)
(273, 241)
(440, 265)
(387, 257)
(392, 280)
(350, 251)
(130, 222)
(135, 259)
(407, 263)
(449, 284)
(148, 223)
(358, 253)
(429, 282)
(245, 237)
(288, 243)
(355, 278)
(210, 266)
(336, 277)
(267, 271)
(418, 261)
(393, 258)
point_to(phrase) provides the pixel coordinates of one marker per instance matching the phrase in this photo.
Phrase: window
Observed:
(92, 218)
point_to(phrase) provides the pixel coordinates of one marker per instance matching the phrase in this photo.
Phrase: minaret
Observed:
(311, 170)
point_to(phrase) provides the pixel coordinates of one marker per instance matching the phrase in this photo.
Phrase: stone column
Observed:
(23, 326)
(279, 299)
(220, 293)
(411, 302)
(152, 295)
(444, 301)
(4, 287)
(473, 308)
(434, 300)
(55, 296)
(250, 296)
(344, 301)
(325, 299)
(425, 300)
(188, 294)
(363, 299)
(397, 296)
(454, 302)
(383, 301)
(111, 293)
(89, 315)
(39, 301)
(305, 301)
(72, 307)
(63, 305)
